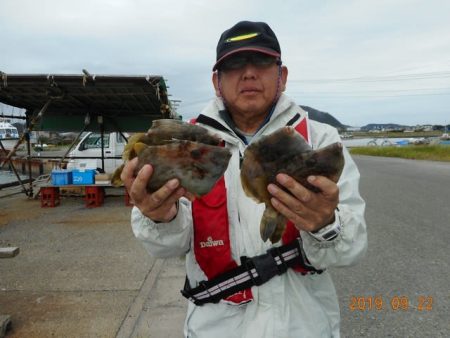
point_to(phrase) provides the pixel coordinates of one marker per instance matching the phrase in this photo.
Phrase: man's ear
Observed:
(215, 80)
(284, 76)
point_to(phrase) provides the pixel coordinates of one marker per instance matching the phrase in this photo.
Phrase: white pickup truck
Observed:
(88, 152)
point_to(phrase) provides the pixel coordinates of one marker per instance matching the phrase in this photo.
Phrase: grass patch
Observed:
(415, 152)
(434, 133)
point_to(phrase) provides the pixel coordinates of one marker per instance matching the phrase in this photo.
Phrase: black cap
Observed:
(247, 36)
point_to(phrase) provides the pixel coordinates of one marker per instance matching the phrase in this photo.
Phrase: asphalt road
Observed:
(402, 287)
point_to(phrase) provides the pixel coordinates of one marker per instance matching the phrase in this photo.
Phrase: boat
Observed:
(9, 135)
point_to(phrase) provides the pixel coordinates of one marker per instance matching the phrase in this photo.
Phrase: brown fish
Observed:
(167, 130)
(198, 166)
(180, 150)
(285, 151)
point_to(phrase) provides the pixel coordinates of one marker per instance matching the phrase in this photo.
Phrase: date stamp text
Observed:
(394, 303)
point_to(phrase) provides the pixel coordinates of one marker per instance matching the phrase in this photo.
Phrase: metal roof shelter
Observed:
(85, 102)
(126, 103)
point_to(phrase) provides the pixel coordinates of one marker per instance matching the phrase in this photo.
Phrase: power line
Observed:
(319, 95)
(375, 92)
(379, 90)
(400, 77)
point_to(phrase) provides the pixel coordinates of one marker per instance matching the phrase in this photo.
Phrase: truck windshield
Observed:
(94, 141)
(120, 138)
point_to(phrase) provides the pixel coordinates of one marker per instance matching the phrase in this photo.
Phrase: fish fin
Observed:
(115, 179)
(138, 147)
(279, 230)
(272, 225)
(138, 137)
(128, 153)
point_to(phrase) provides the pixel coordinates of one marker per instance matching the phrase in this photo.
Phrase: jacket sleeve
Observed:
(351, 243)
(164, 239)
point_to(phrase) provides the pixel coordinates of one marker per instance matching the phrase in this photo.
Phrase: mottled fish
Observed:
(180, 150)
(285, 151)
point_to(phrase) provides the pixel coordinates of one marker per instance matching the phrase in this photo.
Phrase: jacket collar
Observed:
(212, 116)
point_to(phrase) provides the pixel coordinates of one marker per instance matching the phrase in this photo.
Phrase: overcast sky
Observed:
(363, 61)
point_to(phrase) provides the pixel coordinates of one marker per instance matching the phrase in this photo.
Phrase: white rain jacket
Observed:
(289, 305)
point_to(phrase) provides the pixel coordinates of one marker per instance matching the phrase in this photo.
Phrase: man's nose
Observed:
(249, 71)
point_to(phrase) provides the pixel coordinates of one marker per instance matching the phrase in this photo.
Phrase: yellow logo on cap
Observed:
(242, 37)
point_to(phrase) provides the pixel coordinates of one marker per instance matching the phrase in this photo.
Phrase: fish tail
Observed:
(272, 225)
(115, 179)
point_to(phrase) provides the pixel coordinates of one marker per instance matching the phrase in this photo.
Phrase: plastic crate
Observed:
(49, 197)
(61, 177)
(83, 176)
(94, 197)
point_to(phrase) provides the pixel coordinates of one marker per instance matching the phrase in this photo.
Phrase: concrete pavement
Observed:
(163, 308)
(81, 273)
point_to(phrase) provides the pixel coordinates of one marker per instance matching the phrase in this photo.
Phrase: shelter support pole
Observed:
(102, 133)
(11, 164)
(30, 175)
(113, 122)
(26, 135)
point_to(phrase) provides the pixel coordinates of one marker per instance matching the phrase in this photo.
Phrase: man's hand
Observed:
(159, 206)
(309, 211)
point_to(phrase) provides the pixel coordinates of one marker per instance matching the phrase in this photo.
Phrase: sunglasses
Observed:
(240, 60)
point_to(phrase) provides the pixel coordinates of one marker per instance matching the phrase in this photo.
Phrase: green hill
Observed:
(323, 117)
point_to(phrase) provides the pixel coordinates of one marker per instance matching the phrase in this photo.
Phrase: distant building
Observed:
(424, 127)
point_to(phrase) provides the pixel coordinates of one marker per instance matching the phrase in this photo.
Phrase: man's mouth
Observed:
(249, 90)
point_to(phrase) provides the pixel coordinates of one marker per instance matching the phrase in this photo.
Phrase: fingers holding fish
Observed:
(308, 210)
(141, 180)
(167, 195)
(136, 183)
(305, 218)
(326, 200)
(326, 186)
(298, 217)
(160, 205)
(298, 190)
(127, 173)
(291, 205)
(161, 195)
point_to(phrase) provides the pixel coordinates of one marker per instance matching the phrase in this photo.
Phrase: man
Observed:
(267, 294)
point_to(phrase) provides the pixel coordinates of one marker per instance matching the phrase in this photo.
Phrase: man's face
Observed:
(248, 83)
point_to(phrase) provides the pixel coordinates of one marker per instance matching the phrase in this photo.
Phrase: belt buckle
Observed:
(265, 266)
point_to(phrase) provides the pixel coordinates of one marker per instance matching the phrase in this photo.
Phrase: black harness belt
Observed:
(253, 271)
